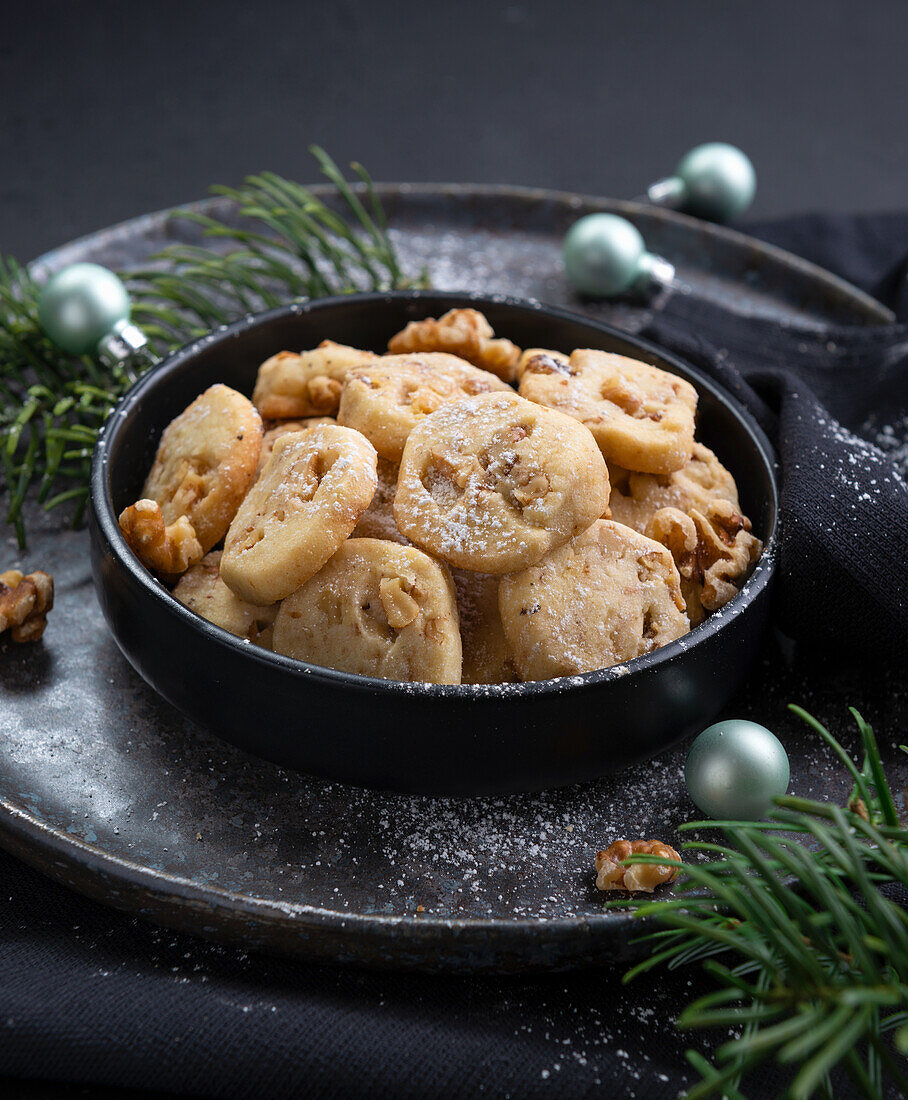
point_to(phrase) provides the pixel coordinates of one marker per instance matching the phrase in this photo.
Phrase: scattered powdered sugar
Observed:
(891, 438)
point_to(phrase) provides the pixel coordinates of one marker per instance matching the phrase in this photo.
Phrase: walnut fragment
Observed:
(462, 332)
(24, 603)
(611, 874)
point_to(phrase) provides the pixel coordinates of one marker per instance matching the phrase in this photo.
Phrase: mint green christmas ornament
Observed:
(604, 255)
(84, 309)
(716, 181)
(735, 769)
(80, 305)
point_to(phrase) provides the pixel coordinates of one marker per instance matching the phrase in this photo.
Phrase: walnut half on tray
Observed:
(24, 603)
(611, 874)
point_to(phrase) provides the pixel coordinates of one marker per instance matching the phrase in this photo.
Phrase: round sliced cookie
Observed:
(642, 417)
(636, 497)
(487, 657)
(309, 383)
(388, 398)
(492, 483)
(378, 522)
(305, 503)
(202, 590)
(205, 462)
(607, 596)
(376, 609)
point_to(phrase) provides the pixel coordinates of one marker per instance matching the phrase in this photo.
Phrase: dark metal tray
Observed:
(106, 788)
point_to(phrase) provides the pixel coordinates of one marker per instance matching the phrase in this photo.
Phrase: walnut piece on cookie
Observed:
(307, 500)
(386, 399)
(463, 332)
(487, 657)
(492, 483)
(201, 589)
(291, 385)
(205, 462)
(167, 549)
(376, 609)
(641, 417)
(603, 598)
(714, 552)
(611, 874)
(555, 361)
(25, 599)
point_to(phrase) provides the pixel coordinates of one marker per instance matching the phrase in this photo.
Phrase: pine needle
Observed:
(814, 966)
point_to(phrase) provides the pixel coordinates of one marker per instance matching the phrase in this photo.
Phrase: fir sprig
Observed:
(291, 244)
(808, 953)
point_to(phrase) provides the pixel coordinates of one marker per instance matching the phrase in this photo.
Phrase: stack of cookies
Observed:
(456, 510)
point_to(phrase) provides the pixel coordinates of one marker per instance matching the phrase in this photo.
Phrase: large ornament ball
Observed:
(80, 304)
(602, 255)
(720, 181)
(735, 769)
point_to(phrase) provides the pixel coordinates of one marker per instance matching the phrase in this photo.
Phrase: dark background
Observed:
(108, 110)
(112, 109)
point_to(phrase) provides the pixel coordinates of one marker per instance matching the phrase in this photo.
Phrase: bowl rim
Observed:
(106, 517)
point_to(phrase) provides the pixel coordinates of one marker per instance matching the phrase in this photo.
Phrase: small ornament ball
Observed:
(81, 304)
(719, 181)
(735, 769)
(602, 255)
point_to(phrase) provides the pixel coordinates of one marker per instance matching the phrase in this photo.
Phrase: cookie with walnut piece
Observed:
(204, 464)
(201, 590)
(291, 385)
(307, 500)
(388, 398)
(463, 332)
(492, 483)
(376, 609)
(642, 417)
(605, 597)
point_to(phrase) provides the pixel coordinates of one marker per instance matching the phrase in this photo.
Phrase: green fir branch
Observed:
(808, 956)
(292, 244)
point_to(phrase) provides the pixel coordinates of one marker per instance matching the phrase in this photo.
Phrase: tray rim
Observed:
(874, 311)
(72, 858)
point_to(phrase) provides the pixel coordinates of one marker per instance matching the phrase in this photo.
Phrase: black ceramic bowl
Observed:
(459, 739)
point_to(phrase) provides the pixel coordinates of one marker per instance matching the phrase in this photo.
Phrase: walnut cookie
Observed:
(291, 385)
(205, 462)
(202, 590)
(606, 597)
(642, 417)
(308, 499)
(463, 332)
(388, 398)
(492, 483)
(376, 609)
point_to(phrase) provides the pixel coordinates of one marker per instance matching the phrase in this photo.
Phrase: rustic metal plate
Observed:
(108, 789)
